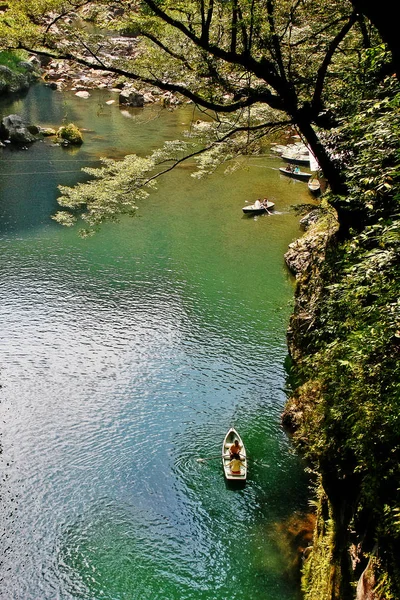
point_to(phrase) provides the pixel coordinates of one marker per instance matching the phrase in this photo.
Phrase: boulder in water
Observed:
(13, 82)
(70, 134)
(131, 98)
(83, 94)
(14, 129)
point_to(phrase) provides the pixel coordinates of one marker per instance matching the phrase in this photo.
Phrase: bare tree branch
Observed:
(316, 103)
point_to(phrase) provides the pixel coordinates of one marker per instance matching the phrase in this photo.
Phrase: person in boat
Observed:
(265, 203)
(235, 449)
(257, 203)
(236, 463)
(297, 170)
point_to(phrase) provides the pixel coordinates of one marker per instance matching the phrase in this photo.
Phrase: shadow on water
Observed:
(234, 486)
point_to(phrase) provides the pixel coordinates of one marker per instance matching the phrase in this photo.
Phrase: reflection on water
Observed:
(126, 357)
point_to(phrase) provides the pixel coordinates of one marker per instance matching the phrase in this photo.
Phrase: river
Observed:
(125, 357)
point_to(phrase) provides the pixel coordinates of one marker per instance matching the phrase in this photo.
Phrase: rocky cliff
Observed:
(335, 413)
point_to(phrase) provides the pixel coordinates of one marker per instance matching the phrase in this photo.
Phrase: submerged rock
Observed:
(83, 94)
(47, 131)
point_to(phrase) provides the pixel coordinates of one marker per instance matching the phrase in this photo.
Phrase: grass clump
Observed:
(12, 60)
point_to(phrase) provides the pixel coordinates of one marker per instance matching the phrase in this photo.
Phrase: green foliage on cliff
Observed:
(317, 568)
(350, 398)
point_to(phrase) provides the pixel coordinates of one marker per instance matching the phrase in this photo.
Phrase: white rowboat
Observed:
(229, 439)
(258, 208)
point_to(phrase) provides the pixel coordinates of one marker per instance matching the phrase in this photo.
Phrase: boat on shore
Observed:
(259, 207)
(229, 439)
(295, 174)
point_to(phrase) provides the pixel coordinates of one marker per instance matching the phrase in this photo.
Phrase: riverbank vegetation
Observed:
(16, 73)
(332, 72)
(345, 414)
(12, 60)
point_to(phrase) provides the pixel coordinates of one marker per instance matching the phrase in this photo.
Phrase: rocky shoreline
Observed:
(304, 258)
(62, 75)
(68, 75)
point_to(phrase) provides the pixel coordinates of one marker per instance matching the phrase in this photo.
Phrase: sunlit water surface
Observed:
(127, 356)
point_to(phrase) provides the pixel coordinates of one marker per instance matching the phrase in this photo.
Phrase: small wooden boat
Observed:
(229, 439)
(314, 186)
(295, 174)
(258, 208)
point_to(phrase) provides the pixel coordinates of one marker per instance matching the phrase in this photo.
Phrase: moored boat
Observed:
(258, 207)
(314, 186)
(229, 439)
(296, 158)
(295, 174)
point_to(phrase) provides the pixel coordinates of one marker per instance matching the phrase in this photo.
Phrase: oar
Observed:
(257, 462)
(266, 208)
(211, 457)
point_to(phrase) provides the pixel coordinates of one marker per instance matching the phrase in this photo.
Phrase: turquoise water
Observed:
(127, 356)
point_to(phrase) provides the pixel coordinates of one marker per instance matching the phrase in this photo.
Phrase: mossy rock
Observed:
(71, 134)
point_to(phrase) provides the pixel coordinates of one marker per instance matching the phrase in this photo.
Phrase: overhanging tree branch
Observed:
(264, 69)
(230, 134)
(316, 103)
(263, 96)
(165, 49)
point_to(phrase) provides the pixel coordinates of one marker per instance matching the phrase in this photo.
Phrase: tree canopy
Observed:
(251, 65)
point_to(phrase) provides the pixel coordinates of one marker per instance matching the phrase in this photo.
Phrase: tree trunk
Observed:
(342, 492)
(329, 169)
(348, 218)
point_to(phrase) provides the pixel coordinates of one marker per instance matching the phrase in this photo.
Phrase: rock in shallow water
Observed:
(16, 130)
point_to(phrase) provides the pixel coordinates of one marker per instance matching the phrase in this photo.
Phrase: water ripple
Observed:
(124, 359)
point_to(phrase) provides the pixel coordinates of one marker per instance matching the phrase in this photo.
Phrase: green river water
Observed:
(125, 357)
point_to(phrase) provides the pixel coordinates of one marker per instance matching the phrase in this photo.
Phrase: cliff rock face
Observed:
(328, 571)
(366, 585)
(305, 258)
